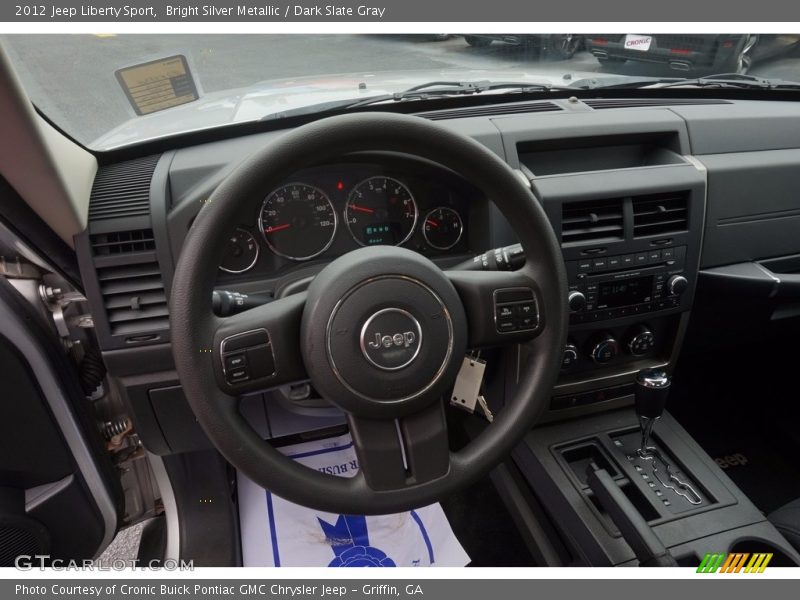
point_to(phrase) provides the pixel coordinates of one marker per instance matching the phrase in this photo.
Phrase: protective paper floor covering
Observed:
(276, 532)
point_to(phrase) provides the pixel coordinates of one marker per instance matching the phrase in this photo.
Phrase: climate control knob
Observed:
(577, 301)
(677, 284)
(640, 340)
(570, 356)
(604, 349)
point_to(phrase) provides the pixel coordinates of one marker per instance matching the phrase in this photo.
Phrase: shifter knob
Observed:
(652, 388)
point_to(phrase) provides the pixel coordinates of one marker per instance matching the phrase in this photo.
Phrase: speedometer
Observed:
(298, 221)
(381, 210)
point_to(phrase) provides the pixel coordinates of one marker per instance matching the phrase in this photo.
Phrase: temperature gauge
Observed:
(241, 252)
(442, 228)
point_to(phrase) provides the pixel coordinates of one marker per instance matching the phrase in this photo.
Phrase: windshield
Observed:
(112, 90)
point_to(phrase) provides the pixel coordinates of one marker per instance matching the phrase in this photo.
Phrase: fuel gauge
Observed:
(442, 228)
(241, 252)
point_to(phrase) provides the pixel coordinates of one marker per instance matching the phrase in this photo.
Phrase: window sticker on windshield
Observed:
(158, 84)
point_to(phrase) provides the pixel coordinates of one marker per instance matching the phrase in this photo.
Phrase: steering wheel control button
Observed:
(515, 310)
(247, 356)
(391, 339)
(245, 340)
(237, 375)
(235, 361)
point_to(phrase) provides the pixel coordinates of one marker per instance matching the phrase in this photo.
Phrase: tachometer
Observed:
(442, 228)
(298, 221)
(381, 210)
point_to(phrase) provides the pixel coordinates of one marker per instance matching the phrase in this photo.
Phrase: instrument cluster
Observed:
(329, 210)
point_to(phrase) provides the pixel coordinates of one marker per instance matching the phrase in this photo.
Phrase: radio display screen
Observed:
(612, 294)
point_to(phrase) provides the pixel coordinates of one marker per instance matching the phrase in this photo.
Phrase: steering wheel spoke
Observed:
(259, 349)
(398, 453)
(502, 307)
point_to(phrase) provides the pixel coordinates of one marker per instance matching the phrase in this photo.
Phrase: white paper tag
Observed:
(638, 42)
(468, 384)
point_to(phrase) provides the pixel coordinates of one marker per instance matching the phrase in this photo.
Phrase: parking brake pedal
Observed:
(649, 550)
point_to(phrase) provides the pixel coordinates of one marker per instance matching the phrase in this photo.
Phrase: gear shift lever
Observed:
(652, 388)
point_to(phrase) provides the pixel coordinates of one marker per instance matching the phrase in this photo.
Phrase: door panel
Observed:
(59, 492)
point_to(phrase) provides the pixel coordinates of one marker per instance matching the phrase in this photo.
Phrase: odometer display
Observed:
(298, 221)
(381, 210)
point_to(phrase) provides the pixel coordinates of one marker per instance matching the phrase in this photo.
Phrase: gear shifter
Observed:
(652, 388)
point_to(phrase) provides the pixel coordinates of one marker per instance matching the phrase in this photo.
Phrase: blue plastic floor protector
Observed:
(276, 532)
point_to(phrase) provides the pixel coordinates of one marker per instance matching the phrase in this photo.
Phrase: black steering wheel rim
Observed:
(195, 330)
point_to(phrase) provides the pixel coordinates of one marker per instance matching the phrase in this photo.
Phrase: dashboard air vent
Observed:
(122, 242)
(603, 103)
(134, 298)
(490, 111)
(122, 190)
(595, 221)
(660, 214)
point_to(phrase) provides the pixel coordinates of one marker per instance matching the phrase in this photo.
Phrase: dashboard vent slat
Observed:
(597, 221)
(490, 111)
(122, 190)
(660, 214)
(134, 298)
(604, 103)
(122, 242)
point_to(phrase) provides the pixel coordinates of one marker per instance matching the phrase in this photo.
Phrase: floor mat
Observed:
(741, 426)
(485, 528)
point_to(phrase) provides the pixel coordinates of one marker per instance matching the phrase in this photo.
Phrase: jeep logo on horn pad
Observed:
(391, 339)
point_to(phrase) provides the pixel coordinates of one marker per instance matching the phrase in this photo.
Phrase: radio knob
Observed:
(605, 349)
(677, 284)
(577, 301)
(641, 341)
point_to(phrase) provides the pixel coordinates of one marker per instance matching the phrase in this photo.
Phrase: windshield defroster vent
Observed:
(592, 222)
(490, 111)
(134, 298)
(603, 103)
(660, 214)
(122, 190)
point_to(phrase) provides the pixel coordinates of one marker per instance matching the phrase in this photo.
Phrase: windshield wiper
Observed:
(721, 80)
(431, 89)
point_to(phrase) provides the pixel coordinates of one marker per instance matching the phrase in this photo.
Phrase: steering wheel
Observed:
(381, 332)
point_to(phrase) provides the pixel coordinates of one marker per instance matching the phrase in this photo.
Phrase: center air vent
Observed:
(595, 221)
(660, 214)
(134, 298)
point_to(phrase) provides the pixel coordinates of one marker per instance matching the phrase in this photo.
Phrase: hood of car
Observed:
(271, 98)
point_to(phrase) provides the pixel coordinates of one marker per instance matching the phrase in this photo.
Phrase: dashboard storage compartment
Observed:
(580, 155)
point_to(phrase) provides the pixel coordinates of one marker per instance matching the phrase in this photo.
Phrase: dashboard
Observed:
(663, 207)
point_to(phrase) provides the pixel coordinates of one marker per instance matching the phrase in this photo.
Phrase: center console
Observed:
(628, 202)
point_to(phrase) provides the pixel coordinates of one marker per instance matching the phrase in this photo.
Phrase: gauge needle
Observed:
(274, 228)
(431, 222)
(363, 209)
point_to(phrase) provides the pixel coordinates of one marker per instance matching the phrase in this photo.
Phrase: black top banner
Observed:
(472, 11)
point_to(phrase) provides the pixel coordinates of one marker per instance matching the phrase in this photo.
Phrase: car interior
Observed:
(570, 317)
